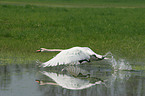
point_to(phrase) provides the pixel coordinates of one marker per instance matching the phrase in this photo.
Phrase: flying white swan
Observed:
(75, 55)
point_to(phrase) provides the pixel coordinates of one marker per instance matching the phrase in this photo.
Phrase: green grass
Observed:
(24, 29)
(79, 3)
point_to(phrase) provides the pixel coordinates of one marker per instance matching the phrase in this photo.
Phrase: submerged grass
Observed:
(24, 29)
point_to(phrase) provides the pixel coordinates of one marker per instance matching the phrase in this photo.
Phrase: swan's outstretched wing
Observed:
(68, 56)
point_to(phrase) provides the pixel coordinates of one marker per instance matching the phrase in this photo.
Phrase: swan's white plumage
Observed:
(71, 56)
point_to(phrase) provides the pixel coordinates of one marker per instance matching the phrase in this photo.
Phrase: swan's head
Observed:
(41, 50)
(38, 81)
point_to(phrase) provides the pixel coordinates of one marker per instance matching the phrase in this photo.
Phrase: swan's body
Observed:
(75, 55)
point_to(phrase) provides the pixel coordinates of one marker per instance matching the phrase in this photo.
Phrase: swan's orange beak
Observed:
(38, 81)
(38, 51)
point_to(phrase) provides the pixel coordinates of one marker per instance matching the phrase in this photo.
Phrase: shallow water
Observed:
(93, 79)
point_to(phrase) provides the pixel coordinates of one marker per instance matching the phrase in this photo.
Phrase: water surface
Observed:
(93, 79)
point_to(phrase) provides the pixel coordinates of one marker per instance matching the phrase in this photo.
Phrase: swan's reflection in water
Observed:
(19, 80)
(69, 82)
(76, 78)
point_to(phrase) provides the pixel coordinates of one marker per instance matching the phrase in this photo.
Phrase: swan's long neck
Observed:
(52, 50)
(49, 50)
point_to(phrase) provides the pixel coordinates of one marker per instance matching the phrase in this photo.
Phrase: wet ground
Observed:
(82, 80)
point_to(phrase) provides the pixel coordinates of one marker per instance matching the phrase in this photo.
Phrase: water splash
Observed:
(120, 64)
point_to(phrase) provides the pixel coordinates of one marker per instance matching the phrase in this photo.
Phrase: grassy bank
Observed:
(24, 29)
(79, 3)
